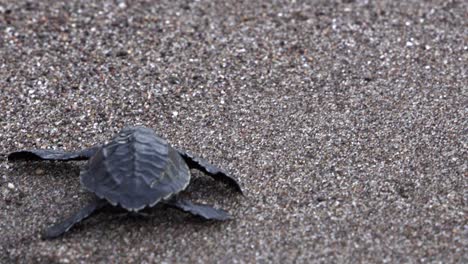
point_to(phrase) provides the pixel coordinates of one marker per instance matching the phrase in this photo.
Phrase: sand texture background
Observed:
(345, 121)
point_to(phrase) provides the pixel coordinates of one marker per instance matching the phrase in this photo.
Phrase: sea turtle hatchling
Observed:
(136, 169)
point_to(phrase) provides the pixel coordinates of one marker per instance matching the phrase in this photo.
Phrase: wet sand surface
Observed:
(345, 122)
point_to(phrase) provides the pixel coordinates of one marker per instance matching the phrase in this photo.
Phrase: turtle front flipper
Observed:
(218, 174)
(62, 227)
(202, 210)
(44, 154)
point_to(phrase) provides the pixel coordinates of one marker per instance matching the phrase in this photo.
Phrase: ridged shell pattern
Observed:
(136, 169)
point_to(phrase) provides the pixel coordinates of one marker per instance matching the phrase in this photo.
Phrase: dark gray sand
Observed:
(345, 121)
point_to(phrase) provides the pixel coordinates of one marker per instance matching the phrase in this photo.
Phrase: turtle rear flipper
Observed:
(200, 164)
(44, 154)
(62, 227)
(202, 210)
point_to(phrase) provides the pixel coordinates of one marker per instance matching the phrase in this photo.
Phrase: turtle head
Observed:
(127, 133)
(135, 129)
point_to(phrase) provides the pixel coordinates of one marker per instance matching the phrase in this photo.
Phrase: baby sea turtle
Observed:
(136, 169)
